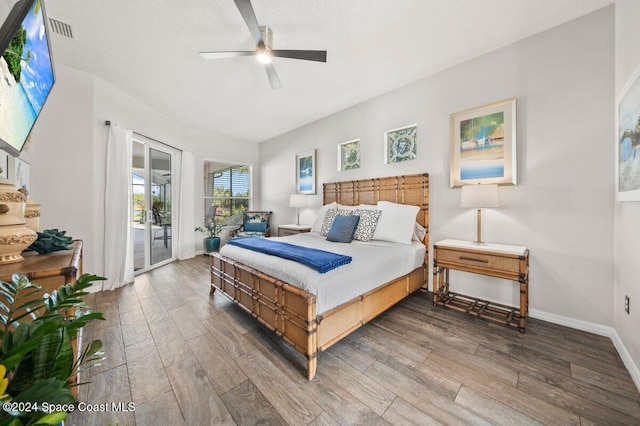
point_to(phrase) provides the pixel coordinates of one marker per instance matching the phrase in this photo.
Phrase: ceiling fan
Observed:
(264, 38)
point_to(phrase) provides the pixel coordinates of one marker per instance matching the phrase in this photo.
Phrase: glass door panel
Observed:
(152, 203)
(160, 238)
(139, 206)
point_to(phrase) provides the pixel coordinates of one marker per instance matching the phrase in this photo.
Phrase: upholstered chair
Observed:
(254, 224)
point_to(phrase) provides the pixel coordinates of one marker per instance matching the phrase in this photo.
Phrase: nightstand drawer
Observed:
(488, 261)
(284, 230)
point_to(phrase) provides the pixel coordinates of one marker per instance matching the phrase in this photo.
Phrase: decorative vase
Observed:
(14, 199)
(212, 244)
(15, 237)
(32, 215)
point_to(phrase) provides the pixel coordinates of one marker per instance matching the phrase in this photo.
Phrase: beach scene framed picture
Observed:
(628, 140)
(483, 145)
(306, 172)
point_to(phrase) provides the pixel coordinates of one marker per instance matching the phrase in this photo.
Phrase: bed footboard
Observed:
(284, 309)
(291, 312)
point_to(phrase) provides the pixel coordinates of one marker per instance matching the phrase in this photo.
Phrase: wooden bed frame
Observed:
(291, 312)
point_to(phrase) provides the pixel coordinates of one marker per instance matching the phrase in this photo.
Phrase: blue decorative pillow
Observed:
(343, 229)
(255, 226)
(329, 217)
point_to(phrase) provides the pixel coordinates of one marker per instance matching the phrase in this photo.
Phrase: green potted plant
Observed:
(212, 229)
(37, 361)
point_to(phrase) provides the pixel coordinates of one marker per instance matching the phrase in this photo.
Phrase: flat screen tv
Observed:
(26, 72)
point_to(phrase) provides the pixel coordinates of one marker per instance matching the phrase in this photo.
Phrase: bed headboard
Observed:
(409, 189)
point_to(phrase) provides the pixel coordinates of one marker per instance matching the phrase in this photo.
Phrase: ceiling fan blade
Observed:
(249, 16)
(227, 54)
(273, 76)
(307, 55)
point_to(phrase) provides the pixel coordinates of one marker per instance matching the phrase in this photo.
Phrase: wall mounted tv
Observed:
(26, 72)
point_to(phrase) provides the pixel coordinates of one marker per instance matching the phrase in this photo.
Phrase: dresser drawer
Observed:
(481, 260)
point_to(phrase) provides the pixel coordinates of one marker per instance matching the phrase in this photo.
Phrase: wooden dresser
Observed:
(49, 270)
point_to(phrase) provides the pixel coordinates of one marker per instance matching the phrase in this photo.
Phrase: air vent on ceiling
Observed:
(62, 28)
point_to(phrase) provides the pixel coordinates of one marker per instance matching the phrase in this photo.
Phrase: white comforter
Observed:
(374, 263)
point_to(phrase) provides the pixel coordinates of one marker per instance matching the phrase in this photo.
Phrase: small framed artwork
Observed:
(400, 144)
(349, 155)
(306, 172)
(22, 174)
(483, 145)
(4, 164)
(628, 140)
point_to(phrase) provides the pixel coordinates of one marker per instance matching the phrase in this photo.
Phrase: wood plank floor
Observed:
(185, 358)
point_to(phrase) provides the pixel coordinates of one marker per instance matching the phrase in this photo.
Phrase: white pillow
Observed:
(345, 207)
(317, 225)
(368, 207)
(419, 232)
(396, 222)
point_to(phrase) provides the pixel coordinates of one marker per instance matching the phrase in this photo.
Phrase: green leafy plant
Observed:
(212, 228)
(36, 333)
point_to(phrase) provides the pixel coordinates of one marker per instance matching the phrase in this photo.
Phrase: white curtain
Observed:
(186, 236)
(118, 241)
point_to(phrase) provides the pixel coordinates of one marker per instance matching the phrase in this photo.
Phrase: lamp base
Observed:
(479, 243)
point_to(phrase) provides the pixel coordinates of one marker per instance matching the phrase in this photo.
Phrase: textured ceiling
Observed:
(150, 50)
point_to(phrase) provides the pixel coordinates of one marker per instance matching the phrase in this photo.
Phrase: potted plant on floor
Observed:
(37, 362)
(212, 229)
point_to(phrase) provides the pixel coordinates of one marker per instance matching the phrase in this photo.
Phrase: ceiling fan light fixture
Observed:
(264, 56)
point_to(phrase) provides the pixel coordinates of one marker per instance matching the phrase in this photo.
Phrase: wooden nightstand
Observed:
(284, 230)
(495, 260)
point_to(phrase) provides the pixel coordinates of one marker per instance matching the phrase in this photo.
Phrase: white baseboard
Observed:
(590, 327)
(594, 328)
(626, 358)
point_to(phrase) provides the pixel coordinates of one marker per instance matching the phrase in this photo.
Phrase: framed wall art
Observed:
(4, 164)
(628, 140)
(306, 172)
(349, 155)
(400, 144)
(22, 174)
(483, 145)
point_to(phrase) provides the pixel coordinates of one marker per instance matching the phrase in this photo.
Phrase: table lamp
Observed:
(297, 201)
(479, 197)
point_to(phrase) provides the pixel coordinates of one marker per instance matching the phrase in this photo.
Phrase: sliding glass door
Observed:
(155, 234)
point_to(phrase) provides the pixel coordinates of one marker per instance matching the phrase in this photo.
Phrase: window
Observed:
(226, 192)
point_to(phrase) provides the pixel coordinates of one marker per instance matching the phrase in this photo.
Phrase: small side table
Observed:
(284, 230)
(494, 260)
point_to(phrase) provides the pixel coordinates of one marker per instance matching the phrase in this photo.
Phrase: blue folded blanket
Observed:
(320, 260)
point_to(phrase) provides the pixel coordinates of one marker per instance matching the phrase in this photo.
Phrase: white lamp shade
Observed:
(297, 200)
(479, 196)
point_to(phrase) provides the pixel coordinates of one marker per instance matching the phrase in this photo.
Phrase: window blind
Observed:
(227, 193)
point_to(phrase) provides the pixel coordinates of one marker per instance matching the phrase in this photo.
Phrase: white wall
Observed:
(110, 103)
(68, 150)
(68, 147)
(627, 214)
(562, 207)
